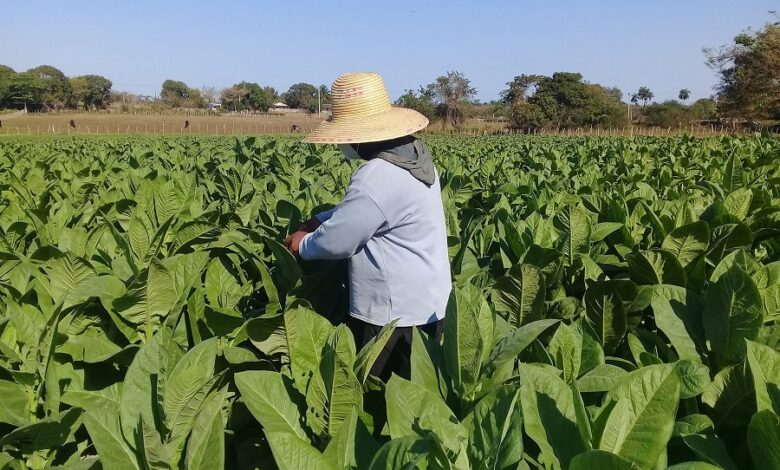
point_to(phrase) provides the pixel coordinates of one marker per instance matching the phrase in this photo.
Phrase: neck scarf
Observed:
(407, 152)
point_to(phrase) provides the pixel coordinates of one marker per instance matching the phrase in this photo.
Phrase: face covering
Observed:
(349, 152)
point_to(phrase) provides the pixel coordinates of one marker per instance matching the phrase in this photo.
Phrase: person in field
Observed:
(390, 225)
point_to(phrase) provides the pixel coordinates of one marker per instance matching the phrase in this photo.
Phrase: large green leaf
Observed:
(655, 267)
(334, 390)
(510, 346)
(66, 274)
(370, 352)
(574, 226)
(468, 337)
(549, 415)
(605, 315)
(14, 407)
(731, 396)
(47, 433)
(307, 334)
(413, 410)
(764, 364)
(206, 444)
(267, 398)
(104, 429)
(352, 446)
(496, 430)
(403, 453)
(599, 459)
(148, 300)
(763, 438)
(575, 351)
(293, 453)
(688, 242)
(733, 313)
(641, 420)
(519, 295)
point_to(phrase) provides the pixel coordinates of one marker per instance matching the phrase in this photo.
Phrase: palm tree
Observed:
(684, 94)
(645, 95)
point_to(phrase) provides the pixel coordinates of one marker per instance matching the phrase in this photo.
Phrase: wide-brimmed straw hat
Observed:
(362, 113)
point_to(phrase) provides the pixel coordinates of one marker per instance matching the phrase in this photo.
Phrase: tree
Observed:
(325, 94)
(26, 89)
(684, 94)
(209, 93)
(564, 100)
(644, 94)
(91, 91)
(246, 95)
(57, 86)
(421, 101)
(6, 74)
(749, 69)
(452, 91)
(178, 94)
(302, 96)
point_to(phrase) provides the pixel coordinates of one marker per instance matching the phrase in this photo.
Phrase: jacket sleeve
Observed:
(325, 215)
(352, 223)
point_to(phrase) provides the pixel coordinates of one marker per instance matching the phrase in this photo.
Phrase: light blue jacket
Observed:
(391, 227)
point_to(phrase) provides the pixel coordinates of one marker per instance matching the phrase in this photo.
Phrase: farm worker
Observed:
(390, 224)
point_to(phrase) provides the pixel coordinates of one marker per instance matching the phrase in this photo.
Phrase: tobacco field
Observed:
(615, 306)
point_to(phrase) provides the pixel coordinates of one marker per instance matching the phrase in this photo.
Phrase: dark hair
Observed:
(369, 150)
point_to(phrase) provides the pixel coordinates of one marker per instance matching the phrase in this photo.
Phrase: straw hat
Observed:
(362, 113)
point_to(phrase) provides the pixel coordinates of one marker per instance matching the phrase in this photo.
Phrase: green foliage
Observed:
(564, 100)
(615, 306)
(301, 96)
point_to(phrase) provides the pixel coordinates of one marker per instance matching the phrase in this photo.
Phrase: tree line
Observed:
(46, 88)
(748, 88)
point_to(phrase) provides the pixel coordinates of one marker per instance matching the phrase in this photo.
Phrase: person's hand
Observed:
(310, 225)
(293, 242)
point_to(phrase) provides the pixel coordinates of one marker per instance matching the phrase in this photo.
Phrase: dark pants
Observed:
(394, 357)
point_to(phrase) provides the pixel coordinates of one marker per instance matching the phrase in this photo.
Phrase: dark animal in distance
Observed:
(295, 128)
(186, 123)
(72, 123)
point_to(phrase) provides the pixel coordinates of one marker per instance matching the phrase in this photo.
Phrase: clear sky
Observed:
(138, 44)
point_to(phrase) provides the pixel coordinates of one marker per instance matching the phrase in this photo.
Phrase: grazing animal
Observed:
(295, 128)
(72, 123)
(186, 123)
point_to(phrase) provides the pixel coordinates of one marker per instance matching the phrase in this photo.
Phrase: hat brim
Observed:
(397, 122)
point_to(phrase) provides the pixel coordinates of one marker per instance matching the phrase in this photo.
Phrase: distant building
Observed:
(214, 107)
(279, 107)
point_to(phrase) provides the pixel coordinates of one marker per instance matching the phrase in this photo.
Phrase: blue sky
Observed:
(623, 43)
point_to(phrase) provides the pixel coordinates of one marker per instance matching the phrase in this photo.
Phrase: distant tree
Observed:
(91, 91)
(452, 91)
(684, 95)
(749, 69)
(667, 114)
(57, 93)
(209, 93)
(704, 109)
(644, 94)
(564, 100)
(26, 89)
(325, 94)
(246, 95)
(6, 73)
(302, 96)
(421, 101)
(178, 94)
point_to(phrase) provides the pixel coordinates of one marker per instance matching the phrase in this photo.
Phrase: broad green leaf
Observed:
(206, 444)
(148, 300)
(549, 415)
(403, 453)
(103, 426)
(642, 420)
(733, 313)
(293, 453)
(66, 275)
(370, 352)
(601, 378)
(14, 407)
(655, 267)
(468, 337)
(599, 459)
(413, 410)
(605, 315)
(574, 226)
(731, 396)
(737, 203)
(670, 308)
(47, 433)
(510, 346)
(519, 295)
(334, 390)
(763, 438)
(496, 430)
(688, 242)
(574, 351)
(267, 398)
(427, 363)
(307, 334)
(352, 446)
(765, 368)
